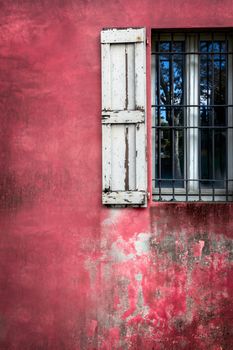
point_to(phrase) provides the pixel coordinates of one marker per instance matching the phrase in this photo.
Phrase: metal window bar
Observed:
(172, 117)
(162, 187)
(185, 125)
(226, 116)
(158, 117)
(212, 115)
(198, 53)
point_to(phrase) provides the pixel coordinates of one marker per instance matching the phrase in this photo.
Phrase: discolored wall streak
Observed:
(172, 282)
(73, 274)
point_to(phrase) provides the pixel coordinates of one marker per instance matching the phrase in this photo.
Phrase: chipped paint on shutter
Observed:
(124, 116)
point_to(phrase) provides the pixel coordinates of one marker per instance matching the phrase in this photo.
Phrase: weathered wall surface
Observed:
(75, 275)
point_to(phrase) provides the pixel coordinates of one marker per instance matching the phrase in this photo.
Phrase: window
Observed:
(192, 116)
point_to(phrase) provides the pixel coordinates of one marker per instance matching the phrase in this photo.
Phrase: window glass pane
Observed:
(212, 113)
(166, 154)
(206, 157)
(170, 141)
(220, 157)
(164, 74)
(178, 73)
(179, 157)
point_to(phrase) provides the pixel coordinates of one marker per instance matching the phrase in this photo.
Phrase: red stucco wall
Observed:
(75, 275)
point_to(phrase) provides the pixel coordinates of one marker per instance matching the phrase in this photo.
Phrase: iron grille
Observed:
(192, 100)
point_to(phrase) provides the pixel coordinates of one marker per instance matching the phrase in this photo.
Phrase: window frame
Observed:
(194, 193)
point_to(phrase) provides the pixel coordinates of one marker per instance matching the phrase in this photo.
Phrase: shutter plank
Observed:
(124, 198)
(118, 165)
(118, 74)
(130, 35)
(123, 117)
(106, 77)
(140, 69)
(140, 157)
(130, 80)
(132, 157)
(106, 157)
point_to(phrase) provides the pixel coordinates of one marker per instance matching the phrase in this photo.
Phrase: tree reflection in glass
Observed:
(212, 112)
(170, 95)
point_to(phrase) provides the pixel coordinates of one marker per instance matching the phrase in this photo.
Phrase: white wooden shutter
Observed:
(124, 116)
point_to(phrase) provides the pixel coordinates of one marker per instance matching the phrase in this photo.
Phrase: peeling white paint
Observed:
(117, 252)
(91, 267)
(113, 217)
(142, 244)
(138, 277)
